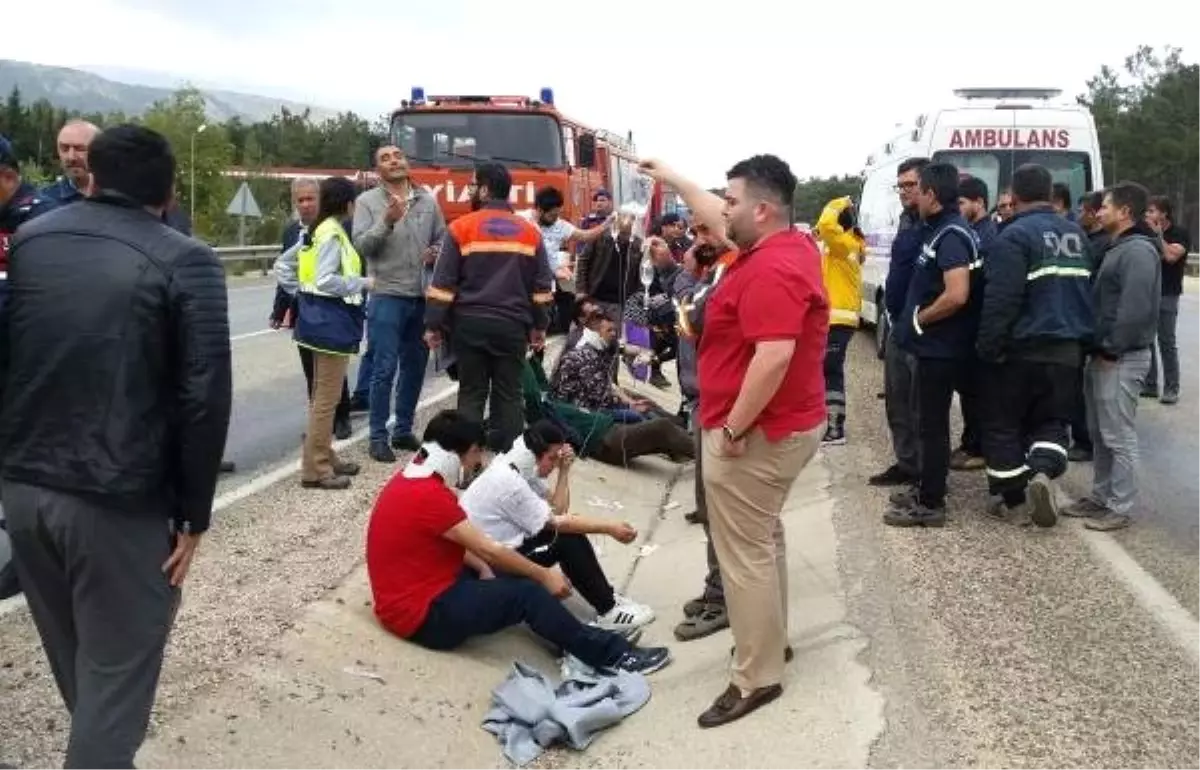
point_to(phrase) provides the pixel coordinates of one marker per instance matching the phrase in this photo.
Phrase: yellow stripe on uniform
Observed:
(542, 298)
(439, 295)
(507, 247)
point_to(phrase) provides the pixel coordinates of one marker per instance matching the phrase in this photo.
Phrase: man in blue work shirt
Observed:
(19, 202)
(1036, 319)
(936, 327)
(973, 205)
(900, 366)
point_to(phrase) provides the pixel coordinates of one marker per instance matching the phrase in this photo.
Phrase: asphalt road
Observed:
(269, 392)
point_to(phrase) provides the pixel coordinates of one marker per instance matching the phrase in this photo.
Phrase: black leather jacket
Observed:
(115, 361)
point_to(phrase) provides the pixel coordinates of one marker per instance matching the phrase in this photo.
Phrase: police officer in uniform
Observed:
(19, 202)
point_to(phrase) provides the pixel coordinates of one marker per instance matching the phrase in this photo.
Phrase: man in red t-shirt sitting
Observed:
(432, 574)
(762, 407)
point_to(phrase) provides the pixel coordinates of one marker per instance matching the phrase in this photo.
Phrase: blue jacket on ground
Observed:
(906, 247)
(947, 243)
(1038, 286)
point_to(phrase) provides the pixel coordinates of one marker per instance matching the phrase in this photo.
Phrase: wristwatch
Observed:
(730, 436)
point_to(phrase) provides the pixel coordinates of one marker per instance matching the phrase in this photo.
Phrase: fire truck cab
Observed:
(445, 137)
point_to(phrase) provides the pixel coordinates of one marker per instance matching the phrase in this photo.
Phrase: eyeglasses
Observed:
(906, 186)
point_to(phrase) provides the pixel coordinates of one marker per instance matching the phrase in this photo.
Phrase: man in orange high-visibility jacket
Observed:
(492, 290)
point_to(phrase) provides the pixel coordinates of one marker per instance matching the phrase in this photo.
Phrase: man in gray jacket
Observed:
(397, 229)
(1126, 295)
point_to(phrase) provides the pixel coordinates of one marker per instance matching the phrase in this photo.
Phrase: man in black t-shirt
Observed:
(1175, 249)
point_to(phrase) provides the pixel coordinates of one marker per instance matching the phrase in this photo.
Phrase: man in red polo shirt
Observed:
(762, 408)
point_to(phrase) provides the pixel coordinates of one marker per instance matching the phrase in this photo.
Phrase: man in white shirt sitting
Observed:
(513, 504)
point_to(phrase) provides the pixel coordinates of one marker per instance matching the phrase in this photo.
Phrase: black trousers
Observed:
(574, 553)
(564, 309)
(937, 379)
(491, 356)
(343, 407)
(1028, 404)
(474, 607)
(969, 385)
(1080, 435)
(659, 435)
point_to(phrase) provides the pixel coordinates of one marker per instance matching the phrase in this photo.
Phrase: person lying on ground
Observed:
(437, 580)
(597, 433)
(511, 503)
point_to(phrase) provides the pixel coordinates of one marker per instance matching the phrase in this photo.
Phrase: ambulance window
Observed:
(981, 165)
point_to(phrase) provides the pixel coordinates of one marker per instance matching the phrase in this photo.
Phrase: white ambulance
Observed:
(987, 133)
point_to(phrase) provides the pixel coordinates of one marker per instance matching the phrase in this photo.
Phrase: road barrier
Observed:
(238, 258)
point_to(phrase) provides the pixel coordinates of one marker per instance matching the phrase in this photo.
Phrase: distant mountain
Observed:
(87, 92)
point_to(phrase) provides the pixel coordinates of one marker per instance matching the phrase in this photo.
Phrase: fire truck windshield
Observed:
(461, 139)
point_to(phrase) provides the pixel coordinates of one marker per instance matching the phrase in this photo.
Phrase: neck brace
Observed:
(591, 338)
(521, 458)
(437, 461)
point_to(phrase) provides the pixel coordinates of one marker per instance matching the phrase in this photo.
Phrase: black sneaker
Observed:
(892, 477)
(405, 443)
(1169, 397)
(359, 404)
(916, 516)
(381, 452)
(834, 436)
(658, 380)
(643, 660)
(1079, 454)
(1150, 391)
(342, 429)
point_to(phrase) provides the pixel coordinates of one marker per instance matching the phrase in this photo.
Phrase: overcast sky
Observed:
(700, 90)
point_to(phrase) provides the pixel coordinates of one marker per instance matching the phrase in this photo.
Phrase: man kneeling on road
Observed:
(512, 504)
(431, 570)
(1037, 316)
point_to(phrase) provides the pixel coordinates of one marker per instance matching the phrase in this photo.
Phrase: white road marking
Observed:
(248, 335)
(264, 481)
(1179, 624)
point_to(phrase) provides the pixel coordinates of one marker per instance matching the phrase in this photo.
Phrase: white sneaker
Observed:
(625, 614)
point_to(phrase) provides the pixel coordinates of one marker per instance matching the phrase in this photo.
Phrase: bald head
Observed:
(73, 142)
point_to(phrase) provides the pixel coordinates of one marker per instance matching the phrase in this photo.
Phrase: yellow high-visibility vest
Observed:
(306, 268)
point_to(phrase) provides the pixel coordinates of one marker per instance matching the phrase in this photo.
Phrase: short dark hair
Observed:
(495, 178)
(541, 435)
(912, 164)
(1163, 204)
(942, 180)
(1061, 193)
(134, 161)
(335, 195)
(548, 198)
(670, 218)
(1032, 183)
(767, 175)
(973, 189)
(453, 432)
(1130, 195)
(1093, 200)
(580, 302)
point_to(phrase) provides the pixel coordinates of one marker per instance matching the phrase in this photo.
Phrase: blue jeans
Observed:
(362, 388)
(394, 329)
(627, 415)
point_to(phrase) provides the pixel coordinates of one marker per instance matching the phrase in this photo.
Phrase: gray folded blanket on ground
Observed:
(529, 713)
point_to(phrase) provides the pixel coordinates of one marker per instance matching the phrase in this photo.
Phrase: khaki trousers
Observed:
(745, 496)
(318, 458)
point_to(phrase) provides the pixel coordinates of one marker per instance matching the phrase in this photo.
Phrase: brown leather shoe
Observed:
(731, 706)
(331, 483)
(346, 468)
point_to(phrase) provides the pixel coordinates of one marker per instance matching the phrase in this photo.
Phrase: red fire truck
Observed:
(444, 138)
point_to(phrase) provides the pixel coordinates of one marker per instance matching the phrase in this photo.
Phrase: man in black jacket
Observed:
(1037, 319)
(117, 386)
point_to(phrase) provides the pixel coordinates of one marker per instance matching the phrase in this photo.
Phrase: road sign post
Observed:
(243, 205)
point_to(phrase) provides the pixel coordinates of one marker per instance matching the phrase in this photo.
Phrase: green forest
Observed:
(1147, 112)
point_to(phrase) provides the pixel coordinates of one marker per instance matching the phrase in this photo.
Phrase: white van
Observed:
(987, 133)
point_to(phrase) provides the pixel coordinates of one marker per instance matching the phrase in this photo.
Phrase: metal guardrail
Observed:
(261, 257)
